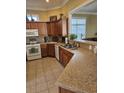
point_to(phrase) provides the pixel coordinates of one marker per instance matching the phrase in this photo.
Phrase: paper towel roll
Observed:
(66, 40)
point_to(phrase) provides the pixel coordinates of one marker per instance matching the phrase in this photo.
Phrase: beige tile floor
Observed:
(42, 74)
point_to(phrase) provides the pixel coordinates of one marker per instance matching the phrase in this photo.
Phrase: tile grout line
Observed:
(45, 78)
(36, 68)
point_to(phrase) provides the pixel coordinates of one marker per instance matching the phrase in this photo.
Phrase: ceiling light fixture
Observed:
(47, 1)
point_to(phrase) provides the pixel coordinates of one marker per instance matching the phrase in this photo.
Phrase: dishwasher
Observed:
(57, 52)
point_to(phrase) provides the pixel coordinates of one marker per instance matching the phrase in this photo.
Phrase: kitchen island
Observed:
(80, 74)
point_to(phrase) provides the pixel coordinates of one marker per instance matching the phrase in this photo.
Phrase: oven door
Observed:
(33, 50)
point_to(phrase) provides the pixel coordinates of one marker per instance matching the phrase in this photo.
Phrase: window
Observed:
(32, 17)
(79, 27)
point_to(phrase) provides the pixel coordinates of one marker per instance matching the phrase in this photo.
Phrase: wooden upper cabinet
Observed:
(59, 31)
(62, 27)
(57, 28)
(34, 25)
(49, 29)
(42, 28)
(31, 25)
(28, 25)
(53, 28)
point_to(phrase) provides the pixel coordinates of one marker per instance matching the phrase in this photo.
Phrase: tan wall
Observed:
(43, 16)
(70, 5)
(91, 25)
(55, 12)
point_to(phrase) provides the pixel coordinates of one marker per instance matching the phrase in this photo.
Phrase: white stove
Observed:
(33, 51)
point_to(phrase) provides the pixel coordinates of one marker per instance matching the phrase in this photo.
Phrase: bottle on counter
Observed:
(95, 49)
(90, 47)
(77, 45)
(66, 40)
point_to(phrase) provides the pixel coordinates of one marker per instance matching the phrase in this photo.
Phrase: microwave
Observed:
(31, 32)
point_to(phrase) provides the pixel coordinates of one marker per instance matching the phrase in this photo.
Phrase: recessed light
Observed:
(47, 1)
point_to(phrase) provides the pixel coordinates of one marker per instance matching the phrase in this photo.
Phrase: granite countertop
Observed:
(48, 43)
(41, 43)
(87, 42)
(80, 74)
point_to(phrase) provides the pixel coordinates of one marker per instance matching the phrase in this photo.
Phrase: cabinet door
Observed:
(53, 28)
(60, 55)
(49, 29)
(28, 25)
(44, 50)
(59, 29)
(69, 56)
(65, 56)
(62, 27)
(51, 50)
(33, 25)
(42, 29)
(65, 59)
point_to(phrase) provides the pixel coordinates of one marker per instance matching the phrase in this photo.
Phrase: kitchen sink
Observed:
(69, 46)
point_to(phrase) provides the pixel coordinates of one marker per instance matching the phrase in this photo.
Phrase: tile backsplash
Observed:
(45, 39)
(35, 38)
(54, 39)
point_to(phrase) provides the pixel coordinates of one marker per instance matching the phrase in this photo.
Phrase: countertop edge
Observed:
(86, 42)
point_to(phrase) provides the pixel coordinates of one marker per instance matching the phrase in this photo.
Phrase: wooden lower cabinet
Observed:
(44, 50)
(51, 50)
(62, 90)
(65, 56)
(48, 50)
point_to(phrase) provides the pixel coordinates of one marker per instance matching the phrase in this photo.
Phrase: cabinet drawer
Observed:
(43, 45)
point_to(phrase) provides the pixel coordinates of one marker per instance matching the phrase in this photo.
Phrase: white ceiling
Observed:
(43, 5)
(90, 8)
